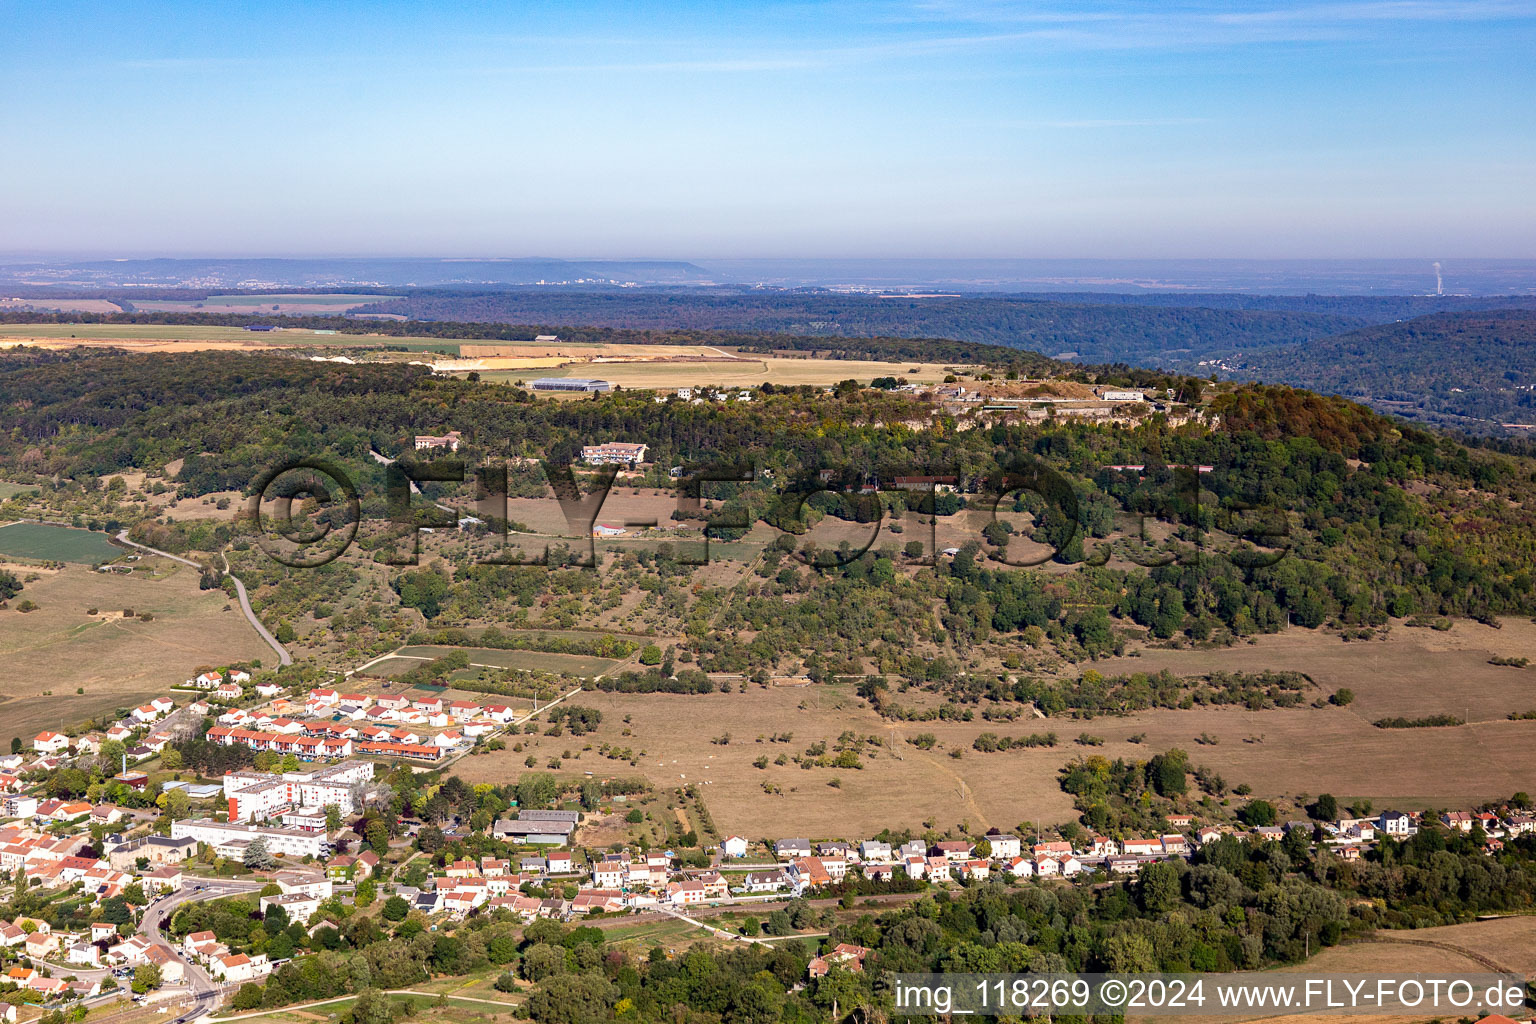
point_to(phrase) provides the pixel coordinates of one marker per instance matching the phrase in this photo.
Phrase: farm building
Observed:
(571, 384)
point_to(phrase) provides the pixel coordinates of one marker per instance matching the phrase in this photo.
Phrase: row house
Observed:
(412, 750)
(281, 743)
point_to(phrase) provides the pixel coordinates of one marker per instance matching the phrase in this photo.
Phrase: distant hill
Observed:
(332, 273)
(1475, 371)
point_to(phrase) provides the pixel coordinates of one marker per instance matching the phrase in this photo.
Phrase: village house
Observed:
(873, 850)
(1003, 845)
(172, 970)
(953, 850)
(233, 967)
(765, 881)
(845, 956)
(1019, 867)
(790, 849)
(50, 743)
(1461, 821)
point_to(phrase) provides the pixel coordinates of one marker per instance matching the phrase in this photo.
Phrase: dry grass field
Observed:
(1282, 753)
(60, 648)
(1414, 672)
(905, 790)
(62, 305)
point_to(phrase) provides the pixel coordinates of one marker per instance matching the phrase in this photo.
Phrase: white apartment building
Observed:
(232, 838)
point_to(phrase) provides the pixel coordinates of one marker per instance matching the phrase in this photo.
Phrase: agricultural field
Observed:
(49, 543)
(662, 367)
(62, 305)
(200, 337)
(116, 659)
(749, 371)
(1284, 754)
(289, 303)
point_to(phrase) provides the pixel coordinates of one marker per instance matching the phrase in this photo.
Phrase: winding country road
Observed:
(283, 656)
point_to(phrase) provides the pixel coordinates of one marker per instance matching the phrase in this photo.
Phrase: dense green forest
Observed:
(1468, 370)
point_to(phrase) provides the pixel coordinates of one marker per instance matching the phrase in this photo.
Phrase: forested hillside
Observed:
(1378, 520)
(1091, 332)
(1468, 370)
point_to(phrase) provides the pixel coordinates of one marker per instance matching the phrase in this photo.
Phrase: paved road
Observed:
(203, 989)
(283, 656)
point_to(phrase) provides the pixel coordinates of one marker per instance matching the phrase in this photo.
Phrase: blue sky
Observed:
(1264, 128)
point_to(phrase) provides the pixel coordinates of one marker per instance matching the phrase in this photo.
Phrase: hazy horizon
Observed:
(1189, 276)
